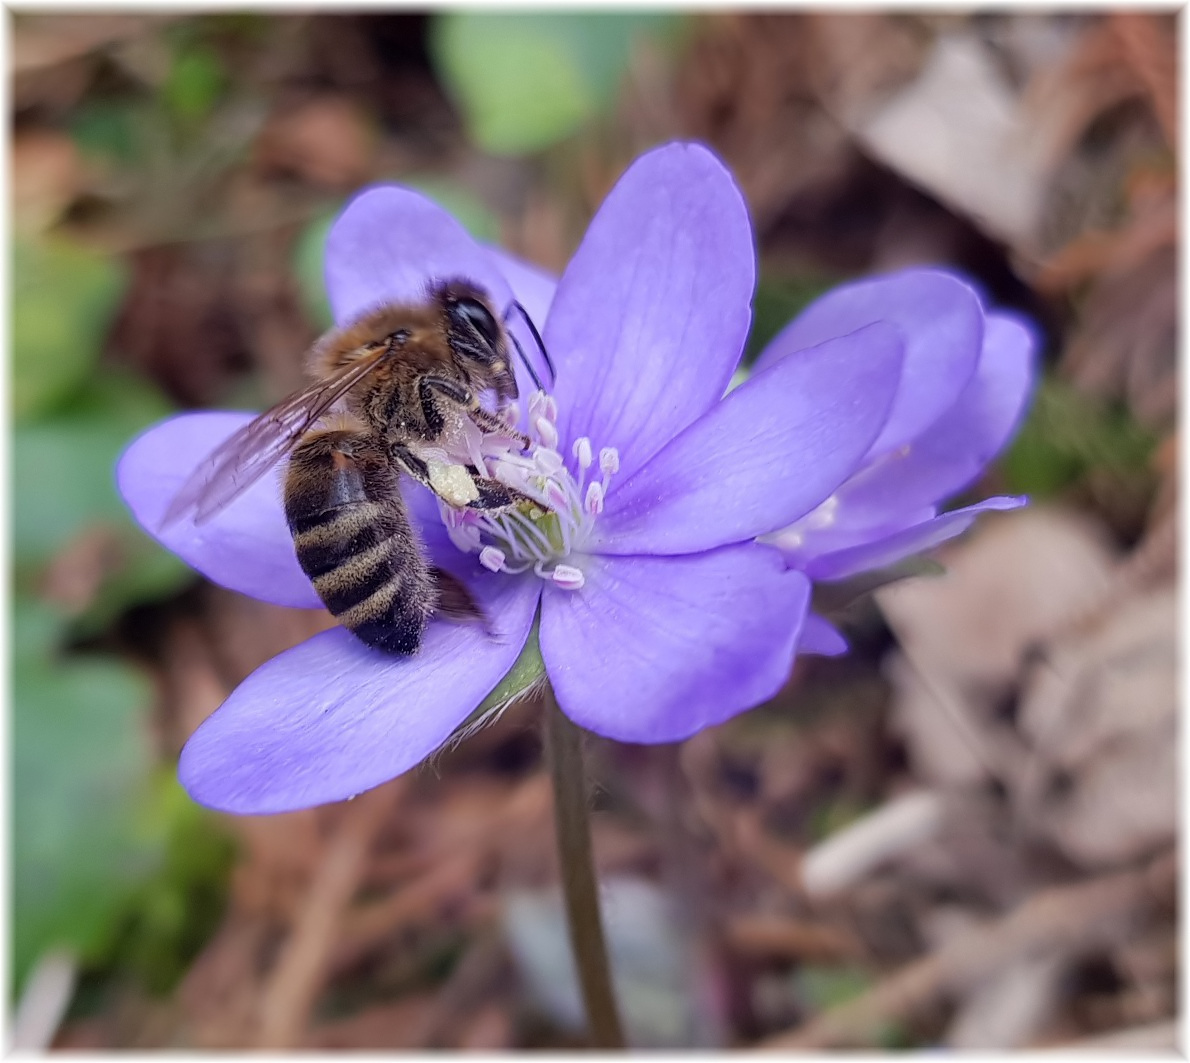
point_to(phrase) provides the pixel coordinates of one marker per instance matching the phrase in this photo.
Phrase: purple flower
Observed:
(966, 379)
(660, 614)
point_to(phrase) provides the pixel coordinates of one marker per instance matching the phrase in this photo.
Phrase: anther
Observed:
(594, 500)
(492, 558)
(543, 405)
(582, 451)
(568, 577)
(546, 432)
(556, 494)
(548, 461)
(609, 460)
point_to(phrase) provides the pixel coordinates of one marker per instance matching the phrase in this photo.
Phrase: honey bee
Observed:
(404, 383)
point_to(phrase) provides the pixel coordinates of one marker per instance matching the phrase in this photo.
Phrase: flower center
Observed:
(544, 533)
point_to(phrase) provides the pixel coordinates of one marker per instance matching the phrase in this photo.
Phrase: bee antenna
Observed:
(526, 363)
(536, 339)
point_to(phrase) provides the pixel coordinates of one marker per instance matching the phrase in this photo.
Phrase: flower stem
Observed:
(579, 886)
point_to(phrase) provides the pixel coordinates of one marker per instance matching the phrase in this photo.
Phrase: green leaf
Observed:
(833, 598)
(823, 987)
(64, 486)
(105, 130)
(527, 81)
(1066, 435)
(64, 467)
(80, 768)
(195, 83)
(180, 907)
(308, 255)
(64, 300)
(37, 629)
(777, 302)
(526, 670)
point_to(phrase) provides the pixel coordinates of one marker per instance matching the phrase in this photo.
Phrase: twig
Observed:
(1066, 919)
(44, 1002)
(290, 991)
(579, 886)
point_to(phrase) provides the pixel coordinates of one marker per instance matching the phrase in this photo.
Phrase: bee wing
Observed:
(243, 458)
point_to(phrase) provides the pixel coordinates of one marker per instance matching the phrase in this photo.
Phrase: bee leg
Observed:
(412, 464)
(489, 422)
(456, 602)
(426, 387)
(461, 395)
(494, 496)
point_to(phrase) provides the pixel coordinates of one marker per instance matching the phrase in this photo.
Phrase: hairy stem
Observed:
(579, 886)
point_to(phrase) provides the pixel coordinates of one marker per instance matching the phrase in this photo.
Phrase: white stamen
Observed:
(548, 529)
(465, 537)
(543, 405)
(594, 500)
(582, 451)
(512, 414)
(557, 495)
(546, 432)
(568, 577)
(492, 558)
(548, 461)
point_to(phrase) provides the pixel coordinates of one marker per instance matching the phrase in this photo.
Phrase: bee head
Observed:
(477, 338)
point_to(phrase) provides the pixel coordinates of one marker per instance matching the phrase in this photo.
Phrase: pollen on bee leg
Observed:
(492, 558)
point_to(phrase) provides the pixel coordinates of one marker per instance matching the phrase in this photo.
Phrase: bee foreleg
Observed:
(452, 389)
(490, 422)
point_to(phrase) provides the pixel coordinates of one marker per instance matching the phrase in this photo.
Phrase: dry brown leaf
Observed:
(47, 174)
(1101, 716)
(964, 635)
(327, 140)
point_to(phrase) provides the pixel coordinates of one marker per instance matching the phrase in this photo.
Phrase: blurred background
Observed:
(960, 835)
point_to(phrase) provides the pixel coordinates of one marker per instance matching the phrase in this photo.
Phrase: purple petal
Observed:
(827, 530)
(653, 310)
(390, 243)
(951, 453)
(768, 453)
(532, 286)
(890, 549)
(653, 649)
(247, 547)
(331, 718)
(821, 637)
(942, 323)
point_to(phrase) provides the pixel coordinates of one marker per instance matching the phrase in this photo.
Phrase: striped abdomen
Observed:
(354, 540)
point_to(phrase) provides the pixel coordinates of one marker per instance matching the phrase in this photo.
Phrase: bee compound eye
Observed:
(473, 313)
